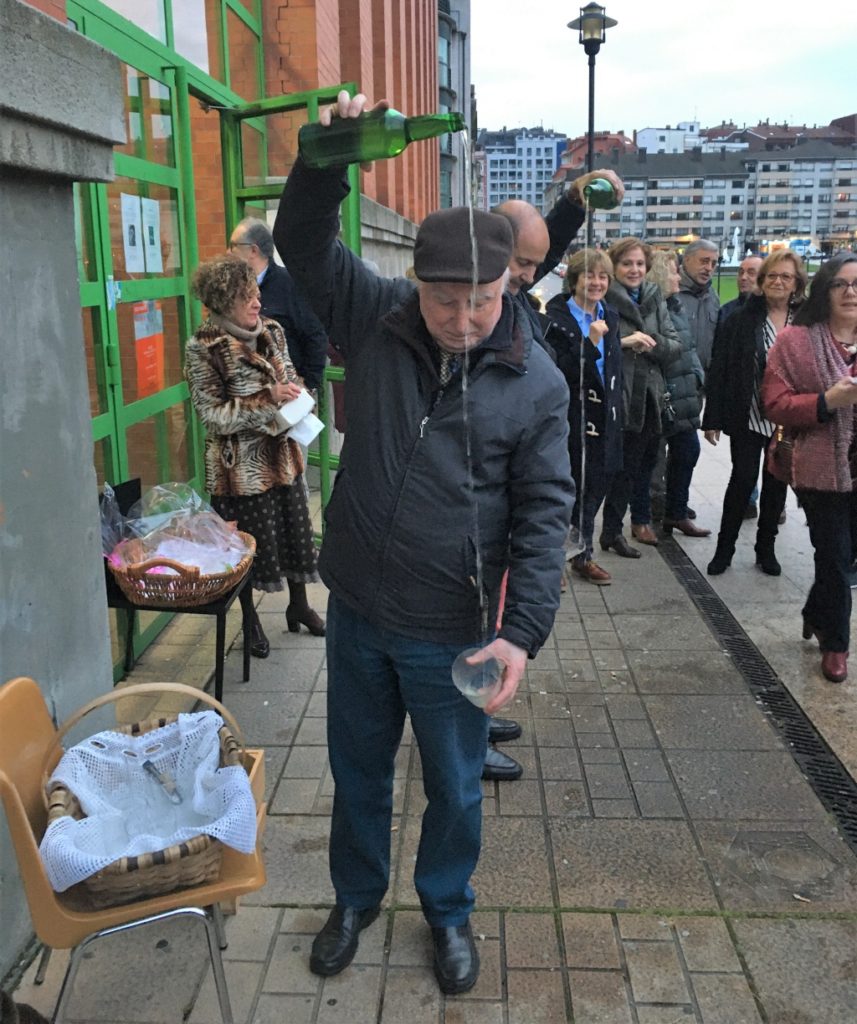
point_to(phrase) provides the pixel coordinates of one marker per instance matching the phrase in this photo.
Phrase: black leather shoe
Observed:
(499, 767)
(619, 545)
(502, 730)
(259, 646)
(691, 513)
(334, 947)
(456, 962)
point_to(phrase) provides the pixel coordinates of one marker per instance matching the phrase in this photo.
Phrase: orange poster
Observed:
(149, 347)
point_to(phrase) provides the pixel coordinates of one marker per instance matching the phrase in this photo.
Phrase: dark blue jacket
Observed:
(595, 407)
(305, 337)
(414, 515)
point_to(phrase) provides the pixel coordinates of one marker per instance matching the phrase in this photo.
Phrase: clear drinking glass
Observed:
(480, 682)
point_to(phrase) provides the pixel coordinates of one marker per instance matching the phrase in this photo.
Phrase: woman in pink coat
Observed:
(810, 388)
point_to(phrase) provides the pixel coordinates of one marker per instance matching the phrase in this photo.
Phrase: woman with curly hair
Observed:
(238, 370)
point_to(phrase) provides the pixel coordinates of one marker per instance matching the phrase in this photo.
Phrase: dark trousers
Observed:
(747, 449)
(682, 456)
(375, 677)
(832, 520)
(590, 487)
(631, 483)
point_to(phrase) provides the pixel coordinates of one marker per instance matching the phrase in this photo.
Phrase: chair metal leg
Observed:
(220, 925)
(68, 979)
(211, 933)
(42, 969)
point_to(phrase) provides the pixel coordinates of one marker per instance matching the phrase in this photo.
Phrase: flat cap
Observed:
(443, 249)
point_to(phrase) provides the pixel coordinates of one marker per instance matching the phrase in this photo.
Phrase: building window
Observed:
(444, 75)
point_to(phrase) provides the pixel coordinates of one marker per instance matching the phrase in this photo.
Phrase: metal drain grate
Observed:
(826, 774)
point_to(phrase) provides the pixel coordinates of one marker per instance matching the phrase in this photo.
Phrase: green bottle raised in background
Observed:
(375, 135)
(600, 194)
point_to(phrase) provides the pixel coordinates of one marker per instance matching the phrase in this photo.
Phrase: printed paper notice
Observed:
(152, 235)
(149, 347)
(132, 234)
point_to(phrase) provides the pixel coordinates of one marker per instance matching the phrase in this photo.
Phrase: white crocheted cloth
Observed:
(128, 812)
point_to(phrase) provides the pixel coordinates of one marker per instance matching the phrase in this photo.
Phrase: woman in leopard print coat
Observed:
(238, 370)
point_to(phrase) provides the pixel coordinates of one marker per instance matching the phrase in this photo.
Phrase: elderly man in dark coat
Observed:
(455, 467)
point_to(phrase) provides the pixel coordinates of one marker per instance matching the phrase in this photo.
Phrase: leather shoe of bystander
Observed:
(259, 646)
(834, 666)
(644, 534)
(685, 526)
(619, 545)
(499, 767)
(591, 572)
(502, 730)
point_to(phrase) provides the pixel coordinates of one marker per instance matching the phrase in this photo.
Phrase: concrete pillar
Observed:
(61, 112)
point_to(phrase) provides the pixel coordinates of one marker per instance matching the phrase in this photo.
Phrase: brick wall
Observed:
(389, 48)
(55, 8)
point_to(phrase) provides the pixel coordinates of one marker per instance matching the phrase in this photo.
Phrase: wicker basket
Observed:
(186, 589)
(151, 874)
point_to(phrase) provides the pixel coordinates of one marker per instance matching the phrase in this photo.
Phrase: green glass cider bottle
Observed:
(375, 135)
(600, 194)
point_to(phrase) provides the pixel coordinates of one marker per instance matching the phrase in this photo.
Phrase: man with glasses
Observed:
(281, 300)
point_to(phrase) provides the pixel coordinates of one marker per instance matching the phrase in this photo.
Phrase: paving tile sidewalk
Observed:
(661, 861)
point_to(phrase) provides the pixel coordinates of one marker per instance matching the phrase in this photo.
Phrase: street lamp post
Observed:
(592, 26)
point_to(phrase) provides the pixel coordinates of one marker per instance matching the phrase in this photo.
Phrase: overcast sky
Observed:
(666, 61)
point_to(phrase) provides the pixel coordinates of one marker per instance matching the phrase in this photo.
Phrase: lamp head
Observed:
(592, 26)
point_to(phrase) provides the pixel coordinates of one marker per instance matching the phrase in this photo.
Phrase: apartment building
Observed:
(808, 191)
(453, 56)
(517, 163)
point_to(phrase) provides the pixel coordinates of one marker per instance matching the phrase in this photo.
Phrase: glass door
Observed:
(136, 245)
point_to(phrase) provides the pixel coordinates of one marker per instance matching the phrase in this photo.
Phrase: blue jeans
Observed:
(375, 677)
(682, 456)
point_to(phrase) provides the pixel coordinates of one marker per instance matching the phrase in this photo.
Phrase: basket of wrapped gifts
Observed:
(173, 549)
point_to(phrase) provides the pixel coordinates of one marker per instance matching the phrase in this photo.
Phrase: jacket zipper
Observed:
(437, 397)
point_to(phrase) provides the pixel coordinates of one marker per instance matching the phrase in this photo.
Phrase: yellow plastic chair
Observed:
(65, 920)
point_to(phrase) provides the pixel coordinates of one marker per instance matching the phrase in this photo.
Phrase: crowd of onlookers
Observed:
(772, 369)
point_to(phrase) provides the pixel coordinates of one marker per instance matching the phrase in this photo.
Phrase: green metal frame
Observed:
(237, 194)
(160, 63)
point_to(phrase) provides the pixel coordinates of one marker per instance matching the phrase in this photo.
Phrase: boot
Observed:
(721, 561)
(766, 559)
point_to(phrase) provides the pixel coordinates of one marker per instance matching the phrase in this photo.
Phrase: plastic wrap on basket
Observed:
(196, 539)
(176, 550)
